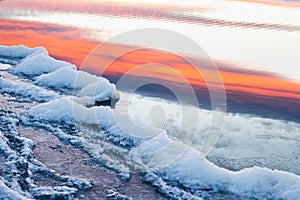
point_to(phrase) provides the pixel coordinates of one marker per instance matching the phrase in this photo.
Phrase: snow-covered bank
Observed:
(36, 65)
(18, 82)
(188, 170)
(21, 167)
(9, 194)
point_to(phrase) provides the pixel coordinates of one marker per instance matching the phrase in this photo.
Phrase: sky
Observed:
(254, 44)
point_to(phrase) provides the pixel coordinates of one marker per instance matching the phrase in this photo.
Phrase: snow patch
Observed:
(62, 192)
(68, 111)
(29, 90)
(4, 66)
(40, 63)
(80, 83)
(66, 78)
(187, 169)
(101, 90)
(198, 174)
(37, 65)
(20, 51)
(9, 194)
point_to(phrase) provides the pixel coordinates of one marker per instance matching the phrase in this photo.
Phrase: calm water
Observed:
(257, 54)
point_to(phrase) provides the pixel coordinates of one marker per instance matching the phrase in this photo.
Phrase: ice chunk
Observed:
(66, 78)
(87, 84)
(20, 51)
(102, 90)
(39, 64)
(26, 90)
(9, 194)
(35, 61)
(68, 111)
(4, 66)
(58, 110)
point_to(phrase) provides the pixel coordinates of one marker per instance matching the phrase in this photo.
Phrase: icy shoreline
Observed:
(64, 102)
(33, 175)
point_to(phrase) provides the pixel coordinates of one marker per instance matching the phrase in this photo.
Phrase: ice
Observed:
(26, 90)
(9, 194)
(40, 63)
(101, 90)
(35, 64)
(62, 192)
(66, 78)
(32, 61)
(68, 111)
(81, 83)
(20, 51)
(112, 194)
(197, 173)
(176, 162)
(59, 110)
(4, 66)
(18, 160)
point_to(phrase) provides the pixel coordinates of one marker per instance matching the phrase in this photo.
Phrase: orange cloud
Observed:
(61, 42)
(241, 86)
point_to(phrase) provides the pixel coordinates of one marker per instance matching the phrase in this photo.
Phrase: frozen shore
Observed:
(55, 143)
(34, 163)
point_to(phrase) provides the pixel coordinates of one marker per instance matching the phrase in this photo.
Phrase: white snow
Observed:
(58, 192)
(59, 110)
(66, 78)
(185, 165)
(40, 63)
(68, 111)
(34, 61)
(9, 194)
(48, 72)
(198, 173)
(82, 83)
(26, 90)
(176, 162)
(101, 90)
(20, 51)
(4, 66)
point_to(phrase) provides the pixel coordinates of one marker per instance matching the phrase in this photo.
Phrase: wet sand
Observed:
(68, 160)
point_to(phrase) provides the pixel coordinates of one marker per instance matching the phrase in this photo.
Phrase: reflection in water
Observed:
(247, 91)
